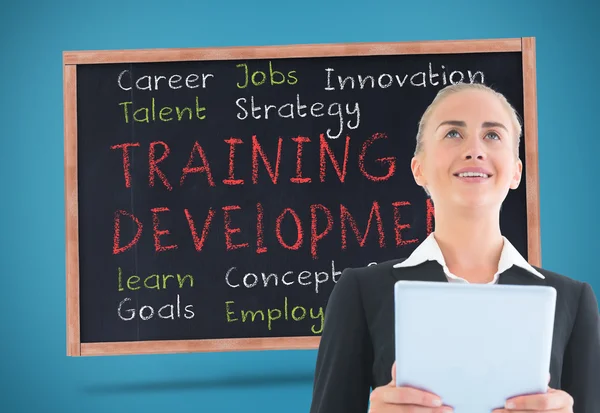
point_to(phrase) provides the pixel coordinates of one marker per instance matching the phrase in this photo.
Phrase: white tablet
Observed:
(475, 345)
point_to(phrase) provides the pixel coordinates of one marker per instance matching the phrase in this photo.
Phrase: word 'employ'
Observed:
(296, 313)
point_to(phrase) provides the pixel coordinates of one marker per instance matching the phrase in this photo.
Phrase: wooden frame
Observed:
(71, 59)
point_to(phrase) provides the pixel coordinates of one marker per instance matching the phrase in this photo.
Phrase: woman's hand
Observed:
(392, 399)
(554, 401)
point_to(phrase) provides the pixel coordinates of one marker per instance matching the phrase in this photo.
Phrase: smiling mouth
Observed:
(470, 175)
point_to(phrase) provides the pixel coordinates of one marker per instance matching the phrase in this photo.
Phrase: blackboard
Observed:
(214, 196)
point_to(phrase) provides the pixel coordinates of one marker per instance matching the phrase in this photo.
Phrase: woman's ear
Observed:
(516, 180)
(417, 170)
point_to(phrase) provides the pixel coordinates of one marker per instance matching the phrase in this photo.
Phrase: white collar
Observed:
(429, 250)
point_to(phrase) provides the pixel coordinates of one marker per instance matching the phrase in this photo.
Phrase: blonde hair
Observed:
(459, 87)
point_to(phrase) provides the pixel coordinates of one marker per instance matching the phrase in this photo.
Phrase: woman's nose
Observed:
(474, 150)
(479, 156)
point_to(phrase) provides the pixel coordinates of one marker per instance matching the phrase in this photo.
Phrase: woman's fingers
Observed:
(407, 395)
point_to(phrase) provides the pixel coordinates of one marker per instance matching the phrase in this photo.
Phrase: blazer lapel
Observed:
(519, 276)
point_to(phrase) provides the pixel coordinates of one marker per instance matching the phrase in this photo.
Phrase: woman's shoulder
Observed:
(559, 280)
(571, 291)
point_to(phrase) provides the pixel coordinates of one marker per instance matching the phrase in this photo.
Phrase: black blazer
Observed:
(356, 351)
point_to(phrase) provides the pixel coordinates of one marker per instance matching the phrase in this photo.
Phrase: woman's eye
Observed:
(493, 135)
(453, 134)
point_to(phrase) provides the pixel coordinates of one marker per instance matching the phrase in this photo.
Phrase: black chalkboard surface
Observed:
(214, 196)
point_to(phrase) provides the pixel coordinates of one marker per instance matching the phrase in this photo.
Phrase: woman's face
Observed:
(469, 155)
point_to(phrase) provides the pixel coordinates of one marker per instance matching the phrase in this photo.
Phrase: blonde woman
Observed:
(467, 160)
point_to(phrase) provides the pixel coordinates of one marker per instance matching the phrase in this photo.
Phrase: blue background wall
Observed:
(36, 374)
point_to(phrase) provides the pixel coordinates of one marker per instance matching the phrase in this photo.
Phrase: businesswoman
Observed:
(466, 158)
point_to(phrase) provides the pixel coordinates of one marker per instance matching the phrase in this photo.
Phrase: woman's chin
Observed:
(476, 201)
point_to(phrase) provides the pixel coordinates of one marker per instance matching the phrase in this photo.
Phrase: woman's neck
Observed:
(470, 242)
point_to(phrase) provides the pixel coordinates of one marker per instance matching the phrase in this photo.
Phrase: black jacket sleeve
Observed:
(342, 381)
(581, 364)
